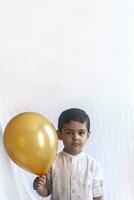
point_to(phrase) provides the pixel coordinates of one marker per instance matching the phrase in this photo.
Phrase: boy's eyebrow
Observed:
(69, 129)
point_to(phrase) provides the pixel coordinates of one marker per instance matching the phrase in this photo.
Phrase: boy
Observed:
(74, 175)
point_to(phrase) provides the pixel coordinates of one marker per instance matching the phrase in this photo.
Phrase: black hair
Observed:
(73, 114)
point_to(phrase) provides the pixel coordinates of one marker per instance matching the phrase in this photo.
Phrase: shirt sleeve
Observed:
(97, 186)
(48, 183)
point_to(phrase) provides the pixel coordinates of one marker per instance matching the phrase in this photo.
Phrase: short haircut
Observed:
(73, 114)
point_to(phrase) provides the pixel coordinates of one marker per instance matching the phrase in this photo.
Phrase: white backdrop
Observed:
(60, 54)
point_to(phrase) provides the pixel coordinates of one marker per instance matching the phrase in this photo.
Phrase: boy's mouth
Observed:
(75, 144)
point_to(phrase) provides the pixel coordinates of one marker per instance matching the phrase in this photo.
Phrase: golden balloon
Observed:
(31, 142)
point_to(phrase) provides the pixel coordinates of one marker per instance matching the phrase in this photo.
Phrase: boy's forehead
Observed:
(75, 125)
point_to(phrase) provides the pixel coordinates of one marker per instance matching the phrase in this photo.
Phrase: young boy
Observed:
(74, 175)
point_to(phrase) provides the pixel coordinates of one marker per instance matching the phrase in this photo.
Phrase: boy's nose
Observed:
(75, 136)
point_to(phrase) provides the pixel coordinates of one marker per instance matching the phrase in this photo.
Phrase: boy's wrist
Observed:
(43, 191)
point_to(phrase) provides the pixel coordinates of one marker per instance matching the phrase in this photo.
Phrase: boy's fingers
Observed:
(40, 179)
(44, 177)
(37, 185)
(40, 182)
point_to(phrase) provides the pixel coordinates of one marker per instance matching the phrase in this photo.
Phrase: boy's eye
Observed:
(69, 132)
(82, 133)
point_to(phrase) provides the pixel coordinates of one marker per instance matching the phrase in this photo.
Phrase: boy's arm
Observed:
(98, 198)
(98, 190)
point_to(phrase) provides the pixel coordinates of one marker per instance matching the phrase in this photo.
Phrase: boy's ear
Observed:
(89, 134)
(59, 134)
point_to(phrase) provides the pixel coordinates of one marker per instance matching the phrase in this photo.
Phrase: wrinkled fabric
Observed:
(75, 177)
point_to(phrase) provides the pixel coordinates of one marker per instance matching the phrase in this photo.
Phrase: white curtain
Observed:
(60, 54)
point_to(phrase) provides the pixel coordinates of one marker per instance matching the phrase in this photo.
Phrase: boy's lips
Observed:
(75, 144)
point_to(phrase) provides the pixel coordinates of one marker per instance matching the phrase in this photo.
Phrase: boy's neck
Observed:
(72, 154)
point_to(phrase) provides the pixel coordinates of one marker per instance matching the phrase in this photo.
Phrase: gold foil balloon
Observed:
(31, 142)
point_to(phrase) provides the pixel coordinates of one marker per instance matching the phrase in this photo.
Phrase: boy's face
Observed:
(74, 135)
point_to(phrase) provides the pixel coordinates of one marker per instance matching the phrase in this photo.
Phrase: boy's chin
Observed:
(75, 151)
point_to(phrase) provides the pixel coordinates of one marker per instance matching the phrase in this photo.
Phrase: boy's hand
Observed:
(39, 183)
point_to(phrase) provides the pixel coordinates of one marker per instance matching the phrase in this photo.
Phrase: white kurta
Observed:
(74, 177)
